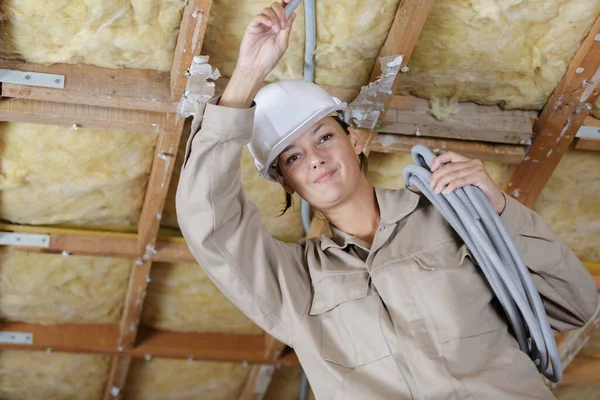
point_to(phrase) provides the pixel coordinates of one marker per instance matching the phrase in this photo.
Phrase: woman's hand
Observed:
(264, 43)
(266, 40)
(462, 171)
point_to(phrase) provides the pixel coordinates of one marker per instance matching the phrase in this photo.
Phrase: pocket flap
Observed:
(447, 254)
(336, 289)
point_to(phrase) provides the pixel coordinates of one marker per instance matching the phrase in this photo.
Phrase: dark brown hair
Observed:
(362, 157)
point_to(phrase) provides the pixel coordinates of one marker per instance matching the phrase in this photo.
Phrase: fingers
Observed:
(448, 157)
(456, 175)
(280, 14)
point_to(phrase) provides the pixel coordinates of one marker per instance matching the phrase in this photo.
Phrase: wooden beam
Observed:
(504, 153)
(588, 144)
(189, 43)
(201, 346)
(103, 339)
(409, 115)
(72, 338)
(259, 378)
(81, 116)
(119, 369)
(148, 227)
(583, 369)
(125, 88)
(403, 34)
(559, 122)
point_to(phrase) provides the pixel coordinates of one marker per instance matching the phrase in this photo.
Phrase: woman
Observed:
(391, 306)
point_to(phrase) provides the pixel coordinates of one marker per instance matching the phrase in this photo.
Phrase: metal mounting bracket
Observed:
(32, 78)
(24, 239)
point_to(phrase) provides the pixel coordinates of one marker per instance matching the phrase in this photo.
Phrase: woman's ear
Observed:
(285, 185)
(355, 140)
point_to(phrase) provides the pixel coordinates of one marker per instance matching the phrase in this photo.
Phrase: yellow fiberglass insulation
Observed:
(226, 26)
(52, 289)
(596, 109)
(33, 375)
(570, 203)
(160, 379)
(55, 175)
(496, 51)
(182, 298)
(106, 33)
(349, 37)
(385, 169)
(268, 197)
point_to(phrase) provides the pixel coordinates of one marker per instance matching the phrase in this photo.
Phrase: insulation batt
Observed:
(52, 289)
(267, 196)
(349, 37)
(226, 26)
(285, 385)
(54, 175)
(182, 298)
(106, 33)
(35, 375)
(570, 203)
(596, 109)
(162, 379)
(511, 52)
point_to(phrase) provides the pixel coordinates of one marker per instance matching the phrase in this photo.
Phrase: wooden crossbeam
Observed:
(124, 88)
(403, 34)
(504, 153)
(81, 116)
(409, 115)
(559, 122)
(103, 339)
(189, 43)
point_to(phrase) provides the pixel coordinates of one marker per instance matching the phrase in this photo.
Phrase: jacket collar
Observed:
(393, 206)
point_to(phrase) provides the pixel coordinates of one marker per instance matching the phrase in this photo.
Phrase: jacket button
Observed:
(381, 228)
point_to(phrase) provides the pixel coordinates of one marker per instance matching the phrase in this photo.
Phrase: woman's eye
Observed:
(326, 137)
(292, 158)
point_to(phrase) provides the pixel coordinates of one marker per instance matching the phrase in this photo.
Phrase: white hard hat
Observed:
(284, 111)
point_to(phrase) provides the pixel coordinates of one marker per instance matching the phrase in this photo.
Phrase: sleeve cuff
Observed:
(511, 216)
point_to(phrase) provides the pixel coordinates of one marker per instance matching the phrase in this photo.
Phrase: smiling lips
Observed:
(325, 176)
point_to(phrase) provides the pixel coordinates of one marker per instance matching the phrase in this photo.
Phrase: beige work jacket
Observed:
(411, 317)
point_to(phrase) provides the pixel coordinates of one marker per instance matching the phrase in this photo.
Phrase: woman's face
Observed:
(322, 165)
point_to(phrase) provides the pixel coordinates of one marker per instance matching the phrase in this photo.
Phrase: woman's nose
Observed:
(317, 162)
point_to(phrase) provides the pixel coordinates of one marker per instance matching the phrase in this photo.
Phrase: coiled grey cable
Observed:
(474, 219)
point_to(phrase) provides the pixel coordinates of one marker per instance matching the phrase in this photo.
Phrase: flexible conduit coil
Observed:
(474, 219)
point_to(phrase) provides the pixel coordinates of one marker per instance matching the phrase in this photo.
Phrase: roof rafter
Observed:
(563, 115)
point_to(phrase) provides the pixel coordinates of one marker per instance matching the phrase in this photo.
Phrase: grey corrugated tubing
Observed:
(474, 219)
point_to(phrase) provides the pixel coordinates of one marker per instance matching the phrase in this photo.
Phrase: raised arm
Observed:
(263, 277)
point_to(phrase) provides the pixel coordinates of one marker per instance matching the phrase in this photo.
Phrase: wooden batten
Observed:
(124, 88)
(189, 43)
(503, 153)
(409, 115)
(81, 116)
(565, 112)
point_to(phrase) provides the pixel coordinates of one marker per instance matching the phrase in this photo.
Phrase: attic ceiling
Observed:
(87, 188)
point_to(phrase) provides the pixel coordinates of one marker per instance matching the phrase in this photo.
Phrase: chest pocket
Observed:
(454, 291)
(349, 312)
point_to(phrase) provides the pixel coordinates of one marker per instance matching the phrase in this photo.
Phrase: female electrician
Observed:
(391, 306)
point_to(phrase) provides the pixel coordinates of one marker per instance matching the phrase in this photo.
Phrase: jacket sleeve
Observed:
(566, 287)
(263, 277)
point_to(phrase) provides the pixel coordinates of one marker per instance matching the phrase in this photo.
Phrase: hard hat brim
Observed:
(269, 171)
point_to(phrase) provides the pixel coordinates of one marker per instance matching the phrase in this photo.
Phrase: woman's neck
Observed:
(359, 216)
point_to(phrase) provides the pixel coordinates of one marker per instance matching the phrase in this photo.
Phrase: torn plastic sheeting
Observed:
(364, 111)
(199, 88)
